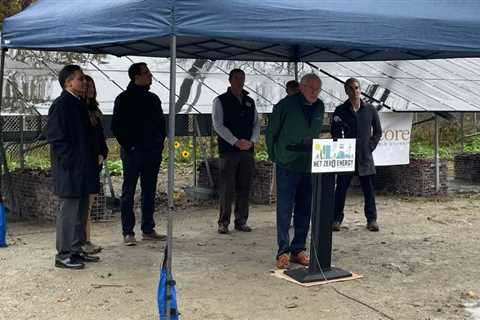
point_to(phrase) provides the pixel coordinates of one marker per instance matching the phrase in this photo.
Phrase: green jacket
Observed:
(289, 126)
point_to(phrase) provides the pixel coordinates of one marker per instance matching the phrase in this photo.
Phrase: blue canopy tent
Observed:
(269, 30)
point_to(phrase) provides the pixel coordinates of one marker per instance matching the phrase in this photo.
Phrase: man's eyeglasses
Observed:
(313, 89)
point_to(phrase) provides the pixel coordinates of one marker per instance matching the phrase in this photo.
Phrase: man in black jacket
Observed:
(357, 119)
(74, 167)
(138, 124)
(235, 121)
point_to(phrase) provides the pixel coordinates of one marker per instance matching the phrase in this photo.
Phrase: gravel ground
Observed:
(423, 264)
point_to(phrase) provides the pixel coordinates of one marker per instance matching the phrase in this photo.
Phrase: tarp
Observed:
(268, 30)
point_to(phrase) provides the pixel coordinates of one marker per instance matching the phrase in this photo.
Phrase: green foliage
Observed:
(473, 145)
(421, 150)
(261, 155)
(261, 149)
(9, 8)
(37, 162)
(115, 167)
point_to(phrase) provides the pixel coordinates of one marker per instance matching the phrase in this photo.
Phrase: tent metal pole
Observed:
(171, 160)
(2, 150)
(462, 131)
(295, 70)
(194, 153)
(437, 156)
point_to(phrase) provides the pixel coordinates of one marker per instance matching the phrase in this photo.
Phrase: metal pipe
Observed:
(171, 160)
(295, 70)
(22, 138)
(437, 155)
(194, 153)
(2, 69)
(462, 132)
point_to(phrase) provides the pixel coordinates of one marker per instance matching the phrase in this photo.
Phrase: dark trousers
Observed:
(144, 165)
(70, 226)
(294, 193)
(368, 188)
(236, 174)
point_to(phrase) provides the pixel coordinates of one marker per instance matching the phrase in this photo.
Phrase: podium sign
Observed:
(333, 156)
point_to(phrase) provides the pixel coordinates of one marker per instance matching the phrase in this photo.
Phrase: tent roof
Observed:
(269, 30)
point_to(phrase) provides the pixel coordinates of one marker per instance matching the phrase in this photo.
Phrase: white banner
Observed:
(394, 146)
(333, 156)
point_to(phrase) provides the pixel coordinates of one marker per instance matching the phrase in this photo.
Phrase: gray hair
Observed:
(310, 76)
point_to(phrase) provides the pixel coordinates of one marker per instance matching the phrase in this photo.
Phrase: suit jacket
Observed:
(363, 125)
(74, 164)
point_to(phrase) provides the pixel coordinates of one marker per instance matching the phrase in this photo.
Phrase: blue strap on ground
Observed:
(162, 297)
(3, 226)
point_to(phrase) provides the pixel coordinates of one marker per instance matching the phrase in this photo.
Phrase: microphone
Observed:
(345, 127)
(339, 120)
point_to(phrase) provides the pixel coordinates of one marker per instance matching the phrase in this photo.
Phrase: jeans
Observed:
(366, 182)
(294, 193)
(144, 165)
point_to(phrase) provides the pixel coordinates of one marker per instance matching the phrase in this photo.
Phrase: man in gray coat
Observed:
(74, 167)
(357, 119)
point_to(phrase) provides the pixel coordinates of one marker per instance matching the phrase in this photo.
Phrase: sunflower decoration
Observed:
(177, 145)
(185, 154)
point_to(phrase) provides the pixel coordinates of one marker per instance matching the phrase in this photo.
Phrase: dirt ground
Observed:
(423, 264)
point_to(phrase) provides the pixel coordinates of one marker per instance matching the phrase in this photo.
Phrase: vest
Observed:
(238, 118)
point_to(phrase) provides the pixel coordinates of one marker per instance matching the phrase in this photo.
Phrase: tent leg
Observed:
(295, 70)
(437, 156)
(194, 153)
(171, 160)
(3, 155)
(462, 132)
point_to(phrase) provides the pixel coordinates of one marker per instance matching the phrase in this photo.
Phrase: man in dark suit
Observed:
(139, 125)
(357, 119)
(74, 167)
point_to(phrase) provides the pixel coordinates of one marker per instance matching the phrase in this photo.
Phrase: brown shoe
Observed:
(154, 236)
(300, 258)
(222, 229)
(373, 226)
(282, 261)
(336, 226)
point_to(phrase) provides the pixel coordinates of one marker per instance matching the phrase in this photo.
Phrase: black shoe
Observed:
(68, 263)
(373, 226)
(222, 229)
(336, 226)
(82, 256)
(243, 228)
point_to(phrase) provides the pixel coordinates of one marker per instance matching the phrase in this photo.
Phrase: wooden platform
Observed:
(281, 275)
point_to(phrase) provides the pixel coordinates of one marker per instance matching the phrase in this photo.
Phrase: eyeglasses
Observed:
(354, 87)
(315, 90)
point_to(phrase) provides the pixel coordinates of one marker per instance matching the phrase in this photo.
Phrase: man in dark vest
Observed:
(74, 167)
(236, 123)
